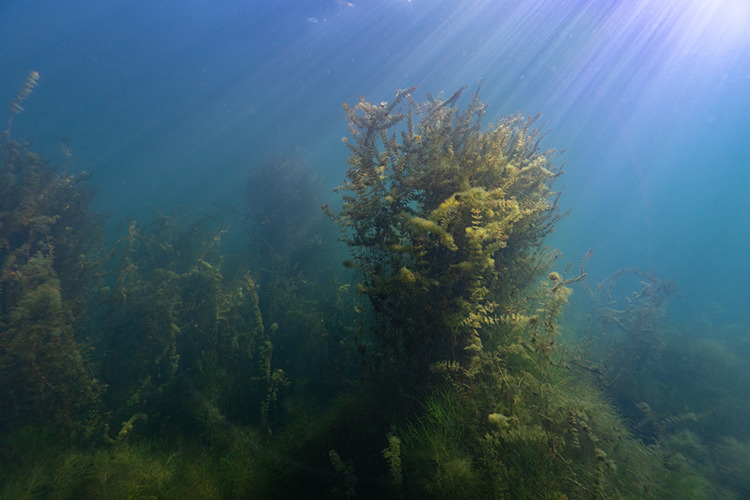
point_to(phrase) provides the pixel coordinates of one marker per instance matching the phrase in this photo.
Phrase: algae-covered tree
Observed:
(445, 222)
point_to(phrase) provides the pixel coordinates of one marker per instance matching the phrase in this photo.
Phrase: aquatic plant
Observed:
(23, 93)
(180, 343)
(680, 388)
(285, 236)
(48, 238)
(37, 464)
(467, 395)
(293, 252)
(445, 222)
(627, 364)
(446, 225)
(638, 316)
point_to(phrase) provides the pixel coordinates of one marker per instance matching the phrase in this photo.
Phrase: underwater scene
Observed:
(444, 249)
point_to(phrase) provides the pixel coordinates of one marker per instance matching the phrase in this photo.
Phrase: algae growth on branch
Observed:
(445, 221)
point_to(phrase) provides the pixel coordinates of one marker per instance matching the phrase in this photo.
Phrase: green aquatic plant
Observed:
(445, 222)
(37, 464)
(446, 225)
(627, 353)
(179, 341)
(682, 389)
(468, 396)
(433, 458)
(293, 250)
(392, 454)
(286, 237)
(347, 478)
(637, 316)
(48, 238)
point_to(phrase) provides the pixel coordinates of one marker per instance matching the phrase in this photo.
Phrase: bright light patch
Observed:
(711, 27)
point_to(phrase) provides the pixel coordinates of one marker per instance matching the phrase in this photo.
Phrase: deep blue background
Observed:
(171, 103)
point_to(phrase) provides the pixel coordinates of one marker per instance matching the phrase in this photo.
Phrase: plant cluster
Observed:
(179, 341)
(682, 391)
(292, 250)
(47, 236)
(445, 222)
(162, 353)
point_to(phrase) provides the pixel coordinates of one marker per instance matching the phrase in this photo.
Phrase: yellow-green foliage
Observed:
(35, 464)
(445, 221)
(42, 210)
(347, 478)
(392, 454)
(524, 439)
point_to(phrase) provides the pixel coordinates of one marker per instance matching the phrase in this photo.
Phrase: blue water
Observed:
(172, 103)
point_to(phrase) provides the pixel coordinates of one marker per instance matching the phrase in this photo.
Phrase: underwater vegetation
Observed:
(48, 242)
(285, 235)
(168, 364)
(682, 389)
(23, 94)
(179, 341)
(445, 223)
(296, 260)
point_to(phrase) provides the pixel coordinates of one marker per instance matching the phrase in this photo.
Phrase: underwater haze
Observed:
(227, 115)
(170, 104)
